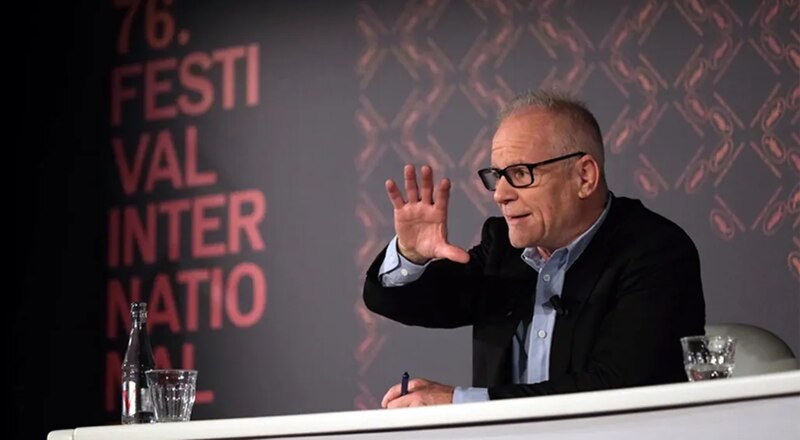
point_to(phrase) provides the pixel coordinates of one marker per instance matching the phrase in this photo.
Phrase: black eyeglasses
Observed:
(518, 175)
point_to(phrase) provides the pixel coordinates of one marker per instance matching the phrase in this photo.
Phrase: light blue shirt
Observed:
(396, 270)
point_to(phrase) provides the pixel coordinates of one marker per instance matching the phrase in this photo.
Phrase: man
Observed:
(572, 290)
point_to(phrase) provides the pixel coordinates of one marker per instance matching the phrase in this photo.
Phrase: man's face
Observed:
(543, 214)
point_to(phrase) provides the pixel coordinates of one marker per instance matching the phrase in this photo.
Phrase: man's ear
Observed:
(589, 176)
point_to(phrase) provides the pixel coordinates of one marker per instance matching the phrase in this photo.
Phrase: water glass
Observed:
(173, 392)
(708, 357)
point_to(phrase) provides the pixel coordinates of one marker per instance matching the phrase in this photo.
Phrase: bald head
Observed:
(573, 127)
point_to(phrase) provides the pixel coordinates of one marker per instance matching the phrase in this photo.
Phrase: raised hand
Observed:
(420, 221)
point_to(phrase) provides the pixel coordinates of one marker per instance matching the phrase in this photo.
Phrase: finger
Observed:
(392, 394)
(394, 194)
(442, 194)
(411, 184)
(402, 401)
(426, 189)
(414, 384)
(454, 253)
(396, 391)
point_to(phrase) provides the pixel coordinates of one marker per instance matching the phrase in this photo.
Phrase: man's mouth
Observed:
(515, 218)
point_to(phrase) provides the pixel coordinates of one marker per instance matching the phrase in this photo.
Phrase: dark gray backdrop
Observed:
(698, 101)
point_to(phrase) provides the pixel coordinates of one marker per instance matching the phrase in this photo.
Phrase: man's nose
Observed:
(504, 192)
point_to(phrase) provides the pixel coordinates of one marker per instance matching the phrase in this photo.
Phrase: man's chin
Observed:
(517, 241)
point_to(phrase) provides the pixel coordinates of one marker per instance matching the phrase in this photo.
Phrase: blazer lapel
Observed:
(524, 278)
(492, 367)
(579, 283)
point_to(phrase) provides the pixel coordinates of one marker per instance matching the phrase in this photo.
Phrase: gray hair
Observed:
(575, 126)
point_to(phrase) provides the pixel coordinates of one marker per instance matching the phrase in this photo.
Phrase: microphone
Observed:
(556, 304)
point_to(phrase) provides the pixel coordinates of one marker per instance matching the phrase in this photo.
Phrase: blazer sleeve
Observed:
(447, 295)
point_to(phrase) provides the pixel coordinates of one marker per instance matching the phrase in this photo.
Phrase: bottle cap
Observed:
(139, 309)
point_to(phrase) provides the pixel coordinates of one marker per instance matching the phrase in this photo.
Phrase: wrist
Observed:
(411, 255)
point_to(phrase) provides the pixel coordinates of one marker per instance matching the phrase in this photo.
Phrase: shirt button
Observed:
(546, 277)
(404, 272)
(542, 333)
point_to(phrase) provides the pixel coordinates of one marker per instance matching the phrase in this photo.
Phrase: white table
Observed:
(759, 407)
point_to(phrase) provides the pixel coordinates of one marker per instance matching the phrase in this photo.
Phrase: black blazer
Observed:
(631, 295)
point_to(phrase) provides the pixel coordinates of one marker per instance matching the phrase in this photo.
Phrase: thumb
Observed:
(454, 253)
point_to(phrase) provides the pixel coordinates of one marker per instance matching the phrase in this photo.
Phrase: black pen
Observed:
(404, 384)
